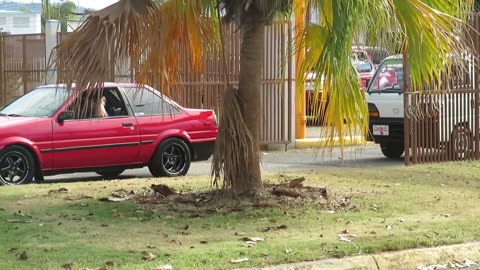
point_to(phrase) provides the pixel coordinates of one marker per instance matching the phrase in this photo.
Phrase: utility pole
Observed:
(47, 6)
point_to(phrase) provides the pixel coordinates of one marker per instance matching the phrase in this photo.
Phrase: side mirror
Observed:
(65, 115)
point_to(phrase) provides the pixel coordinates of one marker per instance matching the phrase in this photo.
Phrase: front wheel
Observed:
(16, 166)
(172, 158)
(392, 150)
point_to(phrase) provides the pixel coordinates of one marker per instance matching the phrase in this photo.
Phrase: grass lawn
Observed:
(384, 209)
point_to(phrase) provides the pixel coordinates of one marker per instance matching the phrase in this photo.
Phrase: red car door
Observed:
(87, 143)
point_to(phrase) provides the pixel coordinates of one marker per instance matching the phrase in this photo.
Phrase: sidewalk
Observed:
(407, 259)
(313, 139)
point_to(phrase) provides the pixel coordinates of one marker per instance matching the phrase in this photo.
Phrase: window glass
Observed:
(389, 76)
(361, 63)
(3, 21)
(95, 104)
(41, 102)
(146, 102)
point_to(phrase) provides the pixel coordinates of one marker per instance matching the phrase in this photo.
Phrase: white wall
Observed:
(19, 23)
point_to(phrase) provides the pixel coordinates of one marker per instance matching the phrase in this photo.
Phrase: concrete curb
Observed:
(322, 142)
(406, 259)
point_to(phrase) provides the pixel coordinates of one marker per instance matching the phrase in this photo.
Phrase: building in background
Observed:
(20, 22)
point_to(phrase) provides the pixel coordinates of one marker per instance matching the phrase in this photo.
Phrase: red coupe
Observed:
(52, 131)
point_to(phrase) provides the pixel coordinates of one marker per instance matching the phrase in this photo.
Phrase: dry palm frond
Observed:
(233, 141)
(86, 56)
(149, 33)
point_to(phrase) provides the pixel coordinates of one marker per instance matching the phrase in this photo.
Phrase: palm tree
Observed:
(152, 31)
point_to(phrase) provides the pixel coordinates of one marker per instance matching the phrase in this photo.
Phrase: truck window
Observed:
(389, 76)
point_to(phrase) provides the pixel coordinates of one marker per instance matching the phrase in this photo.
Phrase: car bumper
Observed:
(395, 130)
(202, 150)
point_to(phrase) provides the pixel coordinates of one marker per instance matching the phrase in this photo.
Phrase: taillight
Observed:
(215, 120)
(372, 110)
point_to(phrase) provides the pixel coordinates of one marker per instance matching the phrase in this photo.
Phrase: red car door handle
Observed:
(127, 124)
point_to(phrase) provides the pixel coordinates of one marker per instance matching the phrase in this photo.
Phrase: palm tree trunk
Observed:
(251, 65)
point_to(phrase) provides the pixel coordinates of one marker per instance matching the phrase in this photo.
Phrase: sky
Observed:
(94, 4)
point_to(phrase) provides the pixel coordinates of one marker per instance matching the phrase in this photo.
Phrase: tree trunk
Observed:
(251, 66)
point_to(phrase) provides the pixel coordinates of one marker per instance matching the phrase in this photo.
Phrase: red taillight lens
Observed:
(215, 120)
(372, 110)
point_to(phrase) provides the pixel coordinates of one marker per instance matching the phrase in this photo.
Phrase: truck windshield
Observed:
(389, 77)
(41, 102)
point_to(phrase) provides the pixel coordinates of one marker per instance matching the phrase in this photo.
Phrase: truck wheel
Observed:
(392, 150)
(461, 142)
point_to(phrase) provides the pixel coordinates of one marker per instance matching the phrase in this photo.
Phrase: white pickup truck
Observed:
(385, 105)
(451, 116)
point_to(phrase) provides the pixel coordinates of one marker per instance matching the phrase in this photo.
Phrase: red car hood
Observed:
(13, 121)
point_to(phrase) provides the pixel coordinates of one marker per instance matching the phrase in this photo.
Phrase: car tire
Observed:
(392, 150)
(172, 158)
(17, 166)
(109, 173)
(461, 142)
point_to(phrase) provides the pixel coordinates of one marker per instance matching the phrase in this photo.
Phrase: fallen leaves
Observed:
(119, 195)
(60, 190)
(266, 229)
(251, 241)
(148, 256)
(68, 266)
(24, 256)
(77, 197)
(163, 190)
(296, 183)
(343, 238)
(239, 260)
(453, 264)
(286, 192)
(164, 267)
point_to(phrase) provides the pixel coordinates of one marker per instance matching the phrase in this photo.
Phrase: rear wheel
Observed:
(16, 166)
(392, 150)
(109, 173)
(461, 142)
(172, 158)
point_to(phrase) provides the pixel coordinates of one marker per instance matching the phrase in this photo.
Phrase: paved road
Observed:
(277, 161)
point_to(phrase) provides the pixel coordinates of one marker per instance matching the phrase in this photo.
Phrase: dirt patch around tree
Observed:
(284, 195)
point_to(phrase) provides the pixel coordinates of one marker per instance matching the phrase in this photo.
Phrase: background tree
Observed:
(155, 30)
(62, 12)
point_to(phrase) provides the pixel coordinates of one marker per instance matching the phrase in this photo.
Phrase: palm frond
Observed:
(147, 32)
(433, 29)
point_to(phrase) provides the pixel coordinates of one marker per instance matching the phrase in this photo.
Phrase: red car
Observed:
(52, 131)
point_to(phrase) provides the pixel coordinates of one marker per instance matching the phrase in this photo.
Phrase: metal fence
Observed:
(444, 125)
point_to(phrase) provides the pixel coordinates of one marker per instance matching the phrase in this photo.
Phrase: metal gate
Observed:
(22, 65)
(444, 125)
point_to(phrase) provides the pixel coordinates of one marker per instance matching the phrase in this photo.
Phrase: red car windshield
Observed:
(41, 102)
(361, 62)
